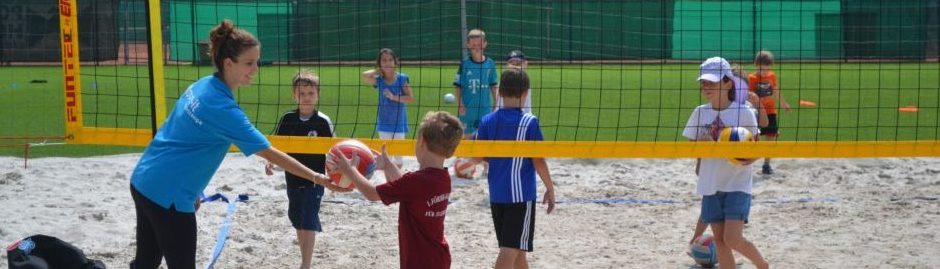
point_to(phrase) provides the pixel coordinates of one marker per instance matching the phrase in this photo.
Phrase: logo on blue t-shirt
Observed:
(511, 180)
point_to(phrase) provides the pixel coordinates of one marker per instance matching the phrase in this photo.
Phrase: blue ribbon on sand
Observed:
(223, 231)
(671, 201)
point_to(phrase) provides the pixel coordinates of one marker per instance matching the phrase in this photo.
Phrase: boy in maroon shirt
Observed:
(423, 194)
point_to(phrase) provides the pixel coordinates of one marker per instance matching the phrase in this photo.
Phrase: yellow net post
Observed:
(68, 25)
(155, 42)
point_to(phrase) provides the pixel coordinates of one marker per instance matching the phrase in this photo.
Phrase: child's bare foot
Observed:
(762, 265)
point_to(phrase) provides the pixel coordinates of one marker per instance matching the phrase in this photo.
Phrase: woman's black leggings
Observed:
(163, 233)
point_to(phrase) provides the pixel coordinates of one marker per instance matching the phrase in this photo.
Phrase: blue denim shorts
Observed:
(723, 206)
(303, 208)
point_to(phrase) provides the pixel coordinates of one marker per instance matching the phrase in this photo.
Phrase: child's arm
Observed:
(269, 167)
(698, 161)
(404, 98)
(369, 76)
(762, 120)
(292, 166)
(494, 93)
(777, 96)
(476, 136)
(392, 172)
(541, 167)
(460, 109)
(359, 181)
(699, 229)
(749, 161)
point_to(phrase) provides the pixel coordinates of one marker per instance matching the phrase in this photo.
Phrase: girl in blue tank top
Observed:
(394, 94)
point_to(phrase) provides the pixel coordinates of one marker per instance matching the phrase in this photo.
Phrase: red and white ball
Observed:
(360, 157)
(704, 251)
(464, 168)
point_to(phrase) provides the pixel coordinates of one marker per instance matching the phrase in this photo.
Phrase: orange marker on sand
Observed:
(807, 103)
(909, 109)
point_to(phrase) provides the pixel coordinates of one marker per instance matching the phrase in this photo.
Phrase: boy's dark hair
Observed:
(378, 58)
(226, 41)
(441, 132)
(513, 82)
(764, 58)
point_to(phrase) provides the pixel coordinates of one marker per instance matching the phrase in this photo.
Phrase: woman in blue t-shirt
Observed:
(394, 93)
(186, 151)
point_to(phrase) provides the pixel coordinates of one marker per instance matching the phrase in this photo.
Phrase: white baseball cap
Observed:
(714, 69)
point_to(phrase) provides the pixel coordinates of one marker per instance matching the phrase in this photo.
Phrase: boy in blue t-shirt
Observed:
(475, 83)
(512, 180)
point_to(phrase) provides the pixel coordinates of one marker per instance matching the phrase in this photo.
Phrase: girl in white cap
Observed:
(725, 187)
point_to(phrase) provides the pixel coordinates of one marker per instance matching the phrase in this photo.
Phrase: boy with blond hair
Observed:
(475, 83)
(423, 194)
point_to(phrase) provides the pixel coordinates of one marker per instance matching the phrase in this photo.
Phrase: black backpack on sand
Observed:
(45, 252)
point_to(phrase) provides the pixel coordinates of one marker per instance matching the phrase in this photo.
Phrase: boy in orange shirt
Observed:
(764, 84)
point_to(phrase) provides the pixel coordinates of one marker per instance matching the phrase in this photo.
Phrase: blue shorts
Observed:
(471, 120)
(304, 207)
(726, 206)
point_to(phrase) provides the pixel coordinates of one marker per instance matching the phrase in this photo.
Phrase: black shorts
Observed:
(515, 224)
(303, 207)
(771, 129)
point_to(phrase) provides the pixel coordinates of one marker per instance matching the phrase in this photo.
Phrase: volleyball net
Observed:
(609, 79)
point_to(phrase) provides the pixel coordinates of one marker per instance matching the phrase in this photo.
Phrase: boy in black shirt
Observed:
(304, 196)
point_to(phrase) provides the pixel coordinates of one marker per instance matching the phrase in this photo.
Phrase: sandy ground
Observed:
(814, 213)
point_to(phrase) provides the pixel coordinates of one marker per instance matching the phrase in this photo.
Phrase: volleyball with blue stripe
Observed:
(735, 134)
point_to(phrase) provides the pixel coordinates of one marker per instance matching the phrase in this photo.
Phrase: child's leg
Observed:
(770, 138)
(486, 166)
(700, 227)
(303, 210)
(733, 237)
(725, 256)
(508, 258)
(770, 132)
(306, 238)
(521, 261)
(515, 225)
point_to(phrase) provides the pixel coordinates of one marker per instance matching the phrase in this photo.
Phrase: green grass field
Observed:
(629, 102)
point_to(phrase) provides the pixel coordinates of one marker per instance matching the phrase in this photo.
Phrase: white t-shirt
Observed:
(717, 174)
(527, 107)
